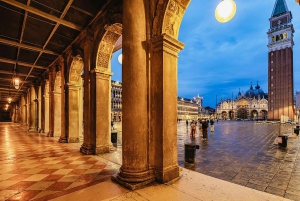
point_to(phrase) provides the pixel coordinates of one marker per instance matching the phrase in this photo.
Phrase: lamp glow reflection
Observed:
(9, 100)
(225, 11)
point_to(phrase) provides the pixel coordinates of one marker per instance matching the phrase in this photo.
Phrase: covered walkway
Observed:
(36, 167)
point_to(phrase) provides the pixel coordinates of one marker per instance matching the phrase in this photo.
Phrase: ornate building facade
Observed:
(280, 71)
(251, 105)
(116, 100)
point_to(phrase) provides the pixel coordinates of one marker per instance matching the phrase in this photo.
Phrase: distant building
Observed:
(280, 59)
(187, 109)
(251, 105)
(116, 101)
(298, 100)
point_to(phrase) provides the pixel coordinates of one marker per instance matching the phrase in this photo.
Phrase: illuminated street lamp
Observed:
(225, 10)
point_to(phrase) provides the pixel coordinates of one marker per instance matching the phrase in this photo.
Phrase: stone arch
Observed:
(169, 17)
(254, 114)
(105, 47)
(100, 84)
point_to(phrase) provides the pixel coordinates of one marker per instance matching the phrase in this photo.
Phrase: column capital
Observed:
(101, 72)
(167, 43)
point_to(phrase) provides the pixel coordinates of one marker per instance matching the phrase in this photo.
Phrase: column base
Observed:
(73, 139)
(50, 135)
(166, 175)
(102, 149)
(134, 181)
(87, 149)
(31, 129)
(63, 139)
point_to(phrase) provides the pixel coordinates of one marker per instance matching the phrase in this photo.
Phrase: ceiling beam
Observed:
(21, 63)
(43, 14)
(11, 90)
(6, 79)
(29, 47)
(20, 74)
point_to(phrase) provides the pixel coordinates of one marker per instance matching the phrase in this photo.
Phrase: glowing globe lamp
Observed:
(120, 58)
(225, 11)
(16, 83)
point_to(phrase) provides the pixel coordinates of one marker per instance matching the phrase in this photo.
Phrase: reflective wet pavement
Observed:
(243, 152)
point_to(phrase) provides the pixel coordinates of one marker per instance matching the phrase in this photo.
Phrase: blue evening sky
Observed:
(220, 58)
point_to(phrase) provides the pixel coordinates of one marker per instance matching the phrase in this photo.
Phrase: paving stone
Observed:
(275, 191)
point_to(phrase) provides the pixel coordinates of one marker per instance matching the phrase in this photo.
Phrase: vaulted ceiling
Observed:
(33, 33)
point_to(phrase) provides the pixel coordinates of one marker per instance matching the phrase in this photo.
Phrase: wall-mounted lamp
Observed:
(225, 10)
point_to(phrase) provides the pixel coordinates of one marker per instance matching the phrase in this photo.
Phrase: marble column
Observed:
(46, 101)
(163, 99)
(57, 105)
(51, 101)
(74, 113)
(32, 108)
(135, 171)
(103, 98)
(63, 134)
(88, 146)
(22, 107)
(39, 109)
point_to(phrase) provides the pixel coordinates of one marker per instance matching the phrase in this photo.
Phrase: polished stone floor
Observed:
(243, 152)
(36, 167)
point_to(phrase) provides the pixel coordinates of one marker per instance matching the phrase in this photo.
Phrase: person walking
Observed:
(187, 123)
(212, 127)
(112, 125)
(204, 129)
(193, 129)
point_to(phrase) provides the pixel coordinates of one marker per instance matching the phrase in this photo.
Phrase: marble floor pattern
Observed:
(36, 167)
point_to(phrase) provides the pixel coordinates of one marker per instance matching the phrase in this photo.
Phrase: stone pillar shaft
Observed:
(32, 108)
(51, 104)
(135, 170)
(88, 146)
(46, 101)
(73, 104)
(63, 135)
(57, 114)
(163, 98)
(103, 132)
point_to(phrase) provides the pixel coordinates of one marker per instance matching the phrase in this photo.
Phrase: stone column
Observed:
(40, 109)
(52, 72)
(57, 105)
(135, 171)
(46, 101)
(163, 98)
(63, 134)
(88, 146)
(102, 97)
(32, 108)
(74, 112)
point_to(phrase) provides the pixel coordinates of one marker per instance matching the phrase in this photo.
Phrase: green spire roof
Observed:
(280, 7)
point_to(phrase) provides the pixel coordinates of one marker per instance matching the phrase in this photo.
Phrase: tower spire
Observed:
(279, 8)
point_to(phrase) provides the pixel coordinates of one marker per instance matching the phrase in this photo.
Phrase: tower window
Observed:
(271, 77)
(271, 62)
(272, 54)
(271, 69)
(272, 93)
(271, 85)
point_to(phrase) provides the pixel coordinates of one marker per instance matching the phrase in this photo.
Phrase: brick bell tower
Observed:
(280, 70)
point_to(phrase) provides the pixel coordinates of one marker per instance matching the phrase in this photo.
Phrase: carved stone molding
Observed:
(173, 17)
(107, 44)
(75, 70)
(57, 83)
